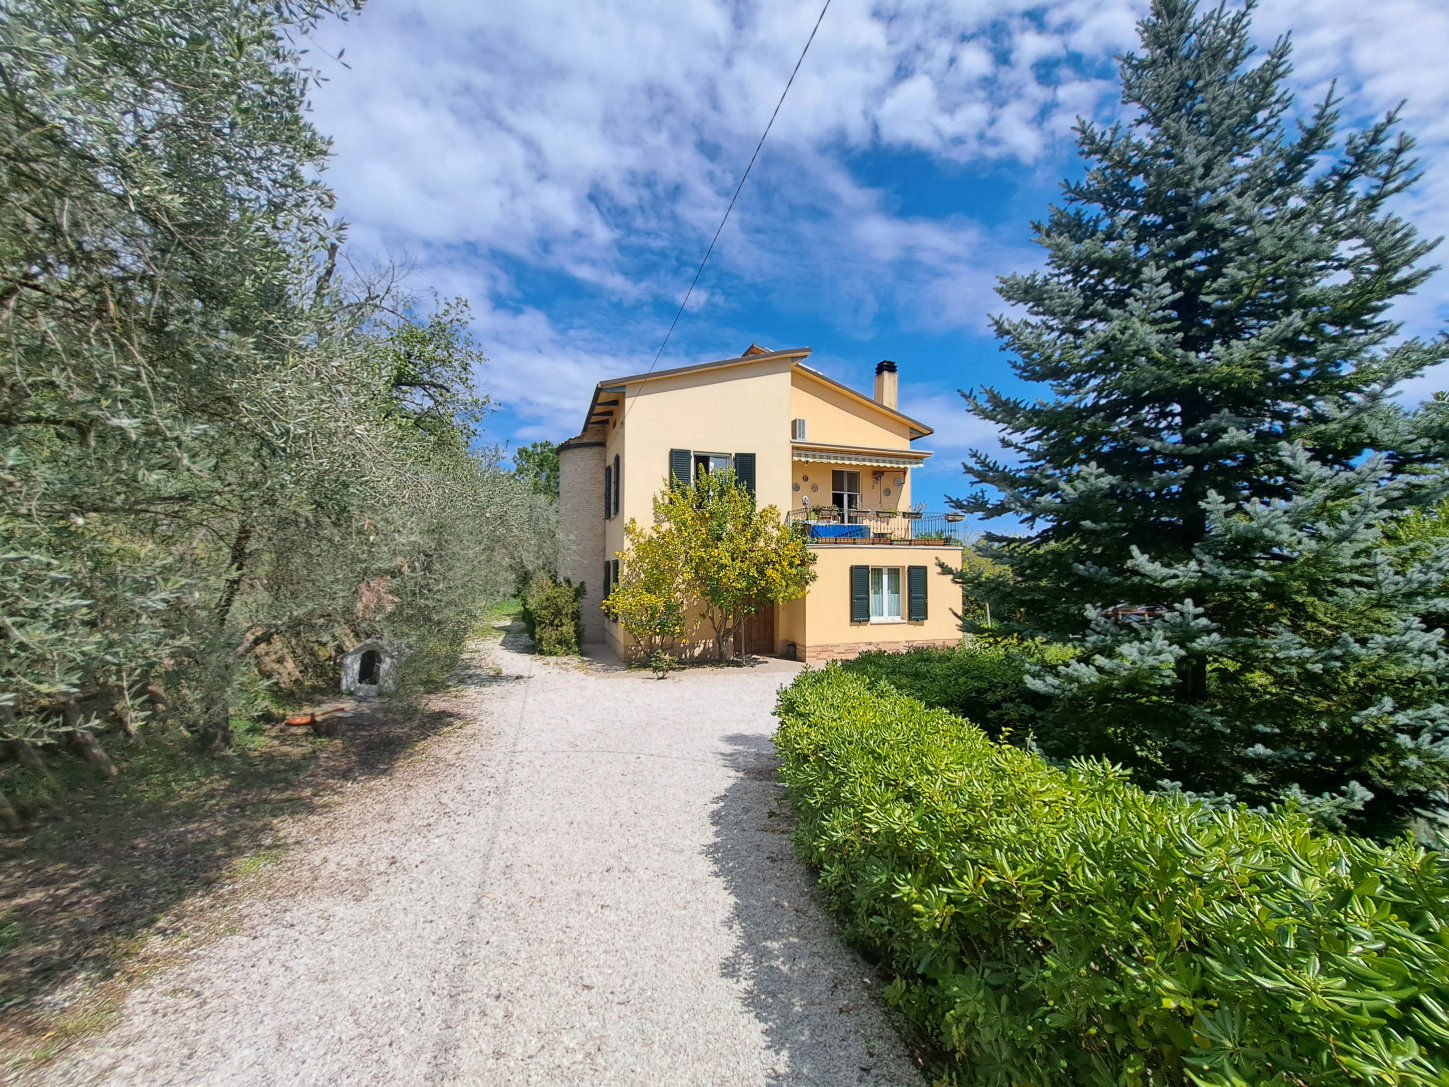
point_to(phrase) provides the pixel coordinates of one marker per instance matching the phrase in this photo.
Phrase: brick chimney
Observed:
(886, 383)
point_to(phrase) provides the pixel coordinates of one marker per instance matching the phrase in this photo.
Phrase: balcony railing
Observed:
(825, 525)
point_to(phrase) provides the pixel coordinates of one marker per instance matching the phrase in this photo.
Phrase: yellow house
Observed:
(836, 461)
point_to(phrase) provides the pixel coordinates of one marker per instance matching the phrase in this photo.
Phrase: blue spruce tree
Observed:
(1211, 489)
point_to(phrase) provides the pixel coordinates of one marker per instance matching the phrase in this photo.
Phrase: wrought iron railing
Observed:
(828, 525)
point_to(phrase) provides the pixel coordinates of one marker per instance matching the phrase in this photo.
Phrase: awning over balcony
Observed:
(808, 453)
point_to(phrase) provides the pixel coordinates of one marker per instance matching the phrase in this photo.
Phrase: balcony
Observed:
(825, 526)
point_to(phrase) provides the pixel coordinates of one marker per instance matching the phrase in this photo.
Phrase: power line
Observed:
(743, 178)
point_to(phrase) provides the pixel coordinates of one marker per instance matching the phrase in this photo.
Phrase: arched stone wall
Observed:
(388, 656)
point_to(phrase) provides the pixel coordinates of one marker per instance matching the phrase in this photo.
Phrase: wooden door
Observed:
(759, 633)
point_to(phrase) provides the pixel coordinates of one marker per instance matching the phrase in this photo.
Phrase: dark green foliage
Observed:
(1415, 538)
(985, 681)
(1049, 927)
(428, 366)
(538, 464)
(1219, 446)
(551, 615)
(977, 562)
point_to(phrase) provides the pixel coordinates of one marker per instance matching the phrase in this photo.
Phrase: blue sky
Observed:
(563, 167)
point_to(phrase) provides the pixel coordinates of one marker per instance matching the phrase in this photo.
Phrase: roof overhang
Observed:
(608, 403)
(610, 398)
(917, 429)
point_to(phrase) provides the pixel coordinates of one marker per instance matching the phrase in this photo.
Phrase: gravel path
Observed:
(591, 882)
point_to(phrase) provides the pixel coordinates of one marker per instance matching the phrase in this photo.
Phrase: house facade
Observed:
(836, 462)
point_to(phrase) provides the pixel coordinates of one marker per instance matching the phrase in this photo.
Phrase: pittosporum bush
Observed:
(1055, 927)
(551, 615)
(982, 680)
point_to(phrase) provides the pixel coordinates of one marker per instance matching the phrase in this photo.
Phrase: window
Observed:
(885, 594)
(875, 594)
(611, 581)
(845, 491)
(618, 478)
(688, 466)
(704, 463)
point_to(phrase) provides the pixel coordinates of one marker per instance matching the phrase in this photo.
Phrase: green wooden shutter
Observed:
(745, 471)
(916, 593)
(618, 477)
(608, 489)
(860, 594)
(607, 587)
(679, 461)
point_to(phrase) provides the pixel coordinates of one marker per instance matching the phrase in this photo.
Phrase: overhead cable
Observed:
(743, 178)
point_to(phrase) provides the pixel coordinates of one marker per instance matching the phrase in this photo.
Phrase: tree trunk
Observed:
(126, 718)
(216, 719)
(1192, 679)
(239, 546)
(84, 741)
(9, 818)
(328, 271)
(216, 725)
(28, 757)
(90, 748)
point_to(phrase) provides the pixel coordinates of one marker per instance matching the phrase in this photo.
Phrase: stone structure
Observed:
(581, 529)
(370, 668)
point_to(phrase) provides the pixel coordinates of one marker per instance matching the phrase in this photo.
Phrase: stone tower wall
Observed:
(581, 529)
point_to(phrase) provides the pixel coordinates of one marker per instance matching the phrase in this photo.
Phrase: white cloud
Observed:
(599, 143)
(549, 131)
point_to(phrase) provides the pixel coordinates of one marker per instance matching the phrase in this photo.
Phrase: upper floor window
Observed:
(845, 490)
(704, 463)
(688, 466)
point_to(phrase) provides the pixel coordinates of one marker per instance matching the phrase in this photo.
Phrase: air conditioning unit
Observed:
(797, 430)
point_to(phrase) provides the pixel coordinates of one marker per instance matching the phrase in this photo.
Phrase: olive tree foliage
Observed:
(210, 435)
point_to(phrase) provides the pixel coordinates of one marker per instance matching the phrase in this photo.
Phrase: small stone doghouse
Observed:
(370, 668)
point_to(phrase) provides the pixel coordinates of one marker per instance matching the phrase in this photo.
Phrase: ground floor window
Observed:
(885, 592)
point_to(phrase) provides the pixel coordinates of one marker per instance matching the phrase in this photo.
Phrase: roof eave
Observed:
(917, 428)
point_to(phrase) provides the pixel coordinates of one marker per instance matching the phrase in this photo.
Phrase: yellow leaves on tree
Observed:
(709, 553)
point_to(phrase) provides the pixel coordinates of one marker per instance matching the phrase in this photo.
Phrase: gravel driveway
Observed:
(590, 882)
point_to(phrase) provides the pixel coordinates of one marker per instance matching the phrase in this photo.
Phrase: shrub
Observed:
(1052, 927)
(551, 615)
(982, 680)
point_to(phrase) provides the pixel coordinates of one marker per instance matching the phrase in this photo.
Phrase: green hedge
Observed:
(1050, 927)
(981, 680)
(551, 615)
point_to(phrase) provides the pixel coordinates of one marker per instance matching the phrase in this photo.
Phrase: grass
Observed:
(115, 875)
(506, 610)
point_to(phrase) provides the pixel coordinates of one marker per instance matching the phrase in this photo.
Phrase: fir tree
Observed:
(1220, 452)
